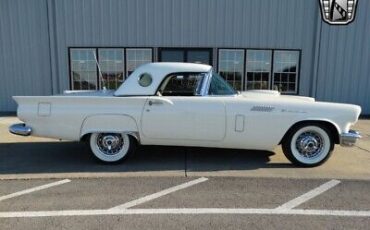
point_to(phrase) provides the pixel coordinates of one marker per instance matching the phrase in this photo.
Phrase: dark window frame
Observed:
(244, 65)
(271, 66)
(96, 48)
(298, 70)
(186, 50)
(98, 59)
(270, 69)
(70, 67)
(152, 50)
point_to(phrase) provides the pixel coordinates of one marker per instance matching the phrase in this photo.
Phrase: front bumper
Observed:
(20, 129)
(350, 138)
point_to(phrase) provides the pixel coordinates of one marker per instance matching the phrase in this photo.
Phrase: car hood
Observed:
(274, 95)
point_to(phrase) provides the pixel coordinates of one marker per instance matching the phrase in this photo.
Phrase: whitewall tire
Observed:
(308, 145)
(111, 147)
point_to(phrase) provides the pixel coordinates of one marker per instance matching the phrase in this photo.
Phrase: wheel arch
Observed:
(117, 123)
(334, 129)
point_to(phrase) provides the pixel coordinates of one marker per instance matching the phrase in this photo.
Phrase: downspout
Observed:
(317, 45)
(53, 54)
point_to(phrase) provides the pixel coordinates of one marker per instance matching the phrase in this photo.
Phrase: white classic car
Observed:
(183, 104)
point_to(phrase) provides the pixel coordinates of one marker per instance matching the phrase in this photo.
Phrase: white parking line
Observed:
(159, 194)
(309, 195)
(23, 192)
(190, 211)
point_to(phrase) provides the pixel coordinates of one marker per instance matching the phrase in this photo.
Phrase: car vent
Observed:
(262, 108)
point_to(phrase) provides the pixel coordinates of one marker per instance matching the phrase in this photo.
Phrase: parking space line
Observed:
(308, 195)
(159, 194)
(190, 211)
(34, 189)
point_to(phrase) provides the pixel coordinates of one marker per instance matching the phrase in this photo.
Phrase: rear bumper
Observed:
(350, 138)
(20, 129)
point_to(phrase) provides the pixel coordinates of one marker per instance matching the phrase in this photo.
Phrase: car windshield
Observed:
(219, 86)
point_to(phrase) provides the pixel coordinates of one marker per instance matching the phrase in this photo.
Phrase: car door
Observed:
(184, 118)
(180, 112)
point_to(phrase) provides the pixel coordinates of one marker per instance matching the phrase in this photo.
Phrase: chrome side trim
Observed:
(20, 129)
(262, 108)
(349, 139)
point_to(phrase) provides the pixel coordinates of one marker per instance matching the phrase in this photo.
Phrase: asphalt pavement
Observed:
(183, 203)
(52, 184)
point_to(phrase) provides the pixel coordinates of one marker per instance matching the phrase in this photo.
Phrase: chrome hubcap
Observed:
(310, 144)
(110, 143)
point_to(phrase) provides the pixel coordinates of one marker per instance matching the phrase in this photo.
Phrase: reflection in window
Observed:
(83, 69)
(137, 57)
(231, 66)
(111, 63)
(286, 71)
(258, 69)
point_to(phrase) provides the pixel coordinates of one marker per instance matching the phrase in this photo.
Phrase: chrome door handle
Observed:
(155, 102)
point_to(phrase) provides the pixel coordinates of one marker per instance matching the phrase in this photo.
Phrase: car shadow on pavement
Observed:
(69, 157)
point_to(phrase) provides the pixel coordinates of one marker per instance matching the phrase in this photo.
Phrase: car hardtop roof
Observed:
(158, 71)
(172, 67)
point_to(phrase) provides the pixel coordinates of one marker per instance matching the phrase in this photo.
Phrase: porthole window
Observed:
(145, 80)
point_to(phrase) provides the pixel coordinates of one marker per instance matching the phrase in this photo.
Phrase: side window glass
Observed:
(182, 84)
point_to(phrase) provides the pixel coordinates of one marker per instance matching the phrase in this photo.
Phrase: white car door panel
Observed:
(184, 118)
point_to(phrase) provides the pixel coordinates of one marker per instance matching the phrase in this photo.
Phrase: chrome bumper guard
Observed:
(350, 138)
(20, 129)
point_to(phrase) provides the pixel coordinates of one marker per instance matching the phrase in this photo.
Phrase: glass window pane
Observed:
(231, 66)
(83, 69)
(111, 63)
(202, 57)
(258, 69)
(137, 57)
(286, 70)
(173, 56)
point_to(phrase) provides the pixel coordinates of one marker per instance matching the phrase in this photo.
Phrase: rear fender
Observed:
(109, 123)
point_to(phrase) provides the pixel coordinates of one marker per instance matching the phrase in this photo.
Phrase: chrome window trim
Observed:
(206, 83)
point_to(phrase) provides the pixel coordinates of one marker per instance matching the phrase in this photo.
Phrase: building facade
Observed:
(48, 46)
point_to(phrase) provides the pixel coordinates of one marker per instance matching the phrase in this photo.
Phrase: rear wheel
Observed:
(308, 145)
(112, 147)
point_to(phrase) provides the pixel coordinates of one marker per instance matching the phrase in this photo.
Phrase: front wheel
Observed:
(112, 147)
(308, 145)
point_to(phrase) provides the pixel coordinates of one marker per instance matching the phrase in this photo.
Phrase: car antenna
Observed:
(100, 74)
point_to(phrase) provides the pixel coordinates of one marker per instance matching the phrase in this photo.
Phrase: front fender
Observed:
(319, 119)
(114, 123)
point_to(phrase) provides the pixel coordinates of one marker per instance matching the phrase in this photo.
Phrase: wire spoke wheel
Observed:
(111, 147)
(308, 145)
(110, 143)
